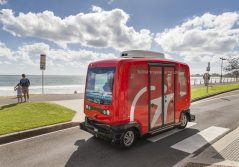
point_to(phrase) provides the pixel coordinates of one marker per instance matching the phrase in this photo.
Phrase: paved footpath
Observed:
(45, 97)
(76, 105)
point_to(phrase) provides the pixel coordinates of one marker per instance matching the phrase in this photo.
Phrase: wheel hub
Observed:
(183, 120)
(129, 138)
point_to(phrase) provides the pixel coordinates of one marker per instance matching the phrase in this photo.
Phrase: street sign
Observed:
(206, 78)
(42, 62)
(208, 67)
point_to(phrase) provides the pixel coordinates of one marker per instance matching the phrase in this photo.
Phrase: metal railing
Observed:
(214, 80)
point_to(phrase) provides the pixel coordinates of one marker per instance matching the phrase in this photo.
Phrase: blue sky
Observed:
(194, 32)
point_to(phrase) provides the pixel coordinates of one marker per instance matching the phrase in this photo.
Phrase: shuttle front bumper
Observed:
(101, 130)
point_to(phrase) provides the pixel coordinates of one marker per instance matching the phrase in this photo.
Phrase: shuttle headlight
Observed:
(106, 112)
(87, 107)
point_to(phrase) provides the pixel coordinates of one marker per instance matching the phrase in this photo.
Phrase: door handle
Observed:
(152, 105)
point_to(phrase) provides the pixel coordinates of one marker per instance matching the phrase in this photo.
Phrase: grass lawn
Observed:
(202, 90)
(19, 117)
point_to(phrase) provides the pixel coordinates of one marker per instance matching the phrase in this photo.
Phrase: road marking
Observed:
(169, 133)
(206, 100)
(193, 143)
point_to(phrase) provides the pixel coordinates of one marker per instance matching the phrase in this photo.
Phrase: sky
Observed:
(73, 33)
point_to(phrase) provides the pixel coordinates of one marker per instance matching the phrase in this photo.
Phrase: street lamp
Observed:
(221, 68)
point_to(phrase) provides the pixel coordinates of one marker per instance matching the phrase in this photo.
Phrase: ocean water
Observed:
(53, 84)
(60, 84)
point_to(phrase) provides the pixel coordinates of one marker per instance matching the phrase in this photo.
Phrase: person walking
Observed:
(25, 83)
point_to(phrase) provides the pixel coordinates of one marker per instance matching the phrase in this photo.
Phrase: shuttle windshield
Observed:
(99, 85)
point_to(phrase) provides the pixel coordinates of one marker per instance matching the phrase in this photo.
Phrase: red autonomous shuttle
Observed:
(138, 94)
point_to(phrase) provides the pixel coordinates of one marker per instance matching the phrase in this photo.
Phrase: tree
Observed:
(233, 66)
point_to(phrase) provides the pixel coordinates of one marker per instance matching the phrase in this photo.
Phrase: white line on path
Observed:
(169, 133)
(195, 142)
(206, 100)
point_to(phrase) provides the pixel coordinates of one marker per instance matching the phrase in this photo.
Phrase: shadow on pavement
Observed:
(100, 153)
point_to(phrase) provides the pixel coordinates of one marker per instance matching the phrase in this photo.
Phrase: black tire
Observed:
(128, 138)
(183, 121)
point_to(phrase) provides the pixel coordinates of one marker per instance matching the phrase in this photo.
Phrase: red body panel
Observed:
(132, 88)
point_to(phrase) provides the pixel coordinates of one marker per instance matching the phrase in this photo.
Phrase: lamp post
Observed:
(221, 68)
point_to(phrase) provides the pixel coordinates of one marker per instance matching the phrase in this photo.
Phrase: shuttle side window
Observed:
(182, 81)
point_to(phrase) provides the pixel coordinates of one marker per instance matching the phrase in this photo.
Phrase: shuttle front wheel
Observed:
(128, 138)
(183, 121)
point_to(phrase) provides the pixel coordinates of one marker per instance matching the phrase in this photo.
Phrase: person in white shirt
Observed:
(18, 88)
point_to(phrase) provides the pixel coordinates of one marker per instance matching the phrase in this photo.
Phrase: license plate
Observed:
(96, 130)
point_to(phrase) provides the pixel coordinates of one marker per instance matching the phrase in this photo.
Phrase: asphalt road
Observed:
(74, 147)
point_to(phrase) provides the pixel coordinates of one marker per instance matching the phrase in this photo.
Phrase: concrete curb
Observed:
(211, 95)
(35, 132)
(192, 164)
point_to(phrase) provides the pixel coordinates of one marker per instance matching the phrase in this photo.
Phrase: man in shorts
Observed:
(25, 83)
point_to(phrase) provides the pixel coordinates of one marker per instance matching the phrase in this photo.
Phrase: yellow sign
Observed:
(42, 61)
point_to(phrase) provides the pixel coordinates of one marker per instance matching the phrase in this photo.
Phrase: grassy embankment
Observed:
(197, 92)
(19, 117)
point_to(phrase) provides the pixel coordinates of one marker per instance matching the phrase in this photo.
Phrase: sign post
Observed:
(42, 67)
(206, 76)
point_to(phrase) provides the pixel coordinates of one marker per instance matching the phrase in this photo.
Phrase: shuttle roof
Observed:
(142, 54)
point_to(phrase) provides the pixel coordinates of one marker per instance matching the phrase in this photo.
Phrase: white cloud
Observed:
(28, 55)
(99, 28)
(3, 2)
(204, 38)
(4, 51)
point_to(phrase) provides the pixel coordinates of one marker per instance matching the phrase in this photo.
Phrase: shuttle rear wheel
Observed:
(183, 121)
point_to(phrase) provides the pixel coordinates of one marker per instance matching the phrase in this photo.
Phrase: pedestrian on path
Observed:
(25, 83)
(18, 88)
